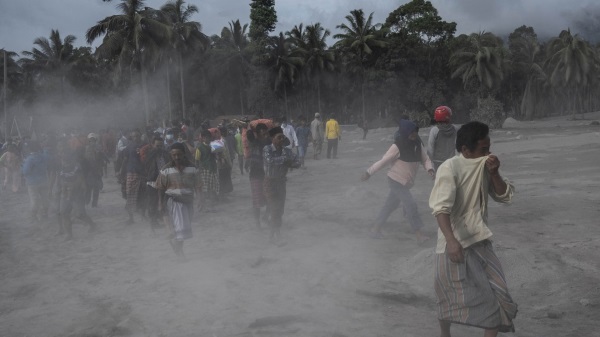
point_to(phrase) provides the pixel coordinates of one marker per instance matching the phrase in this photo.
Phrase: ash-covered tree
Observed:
(51, 59)
(263, 19)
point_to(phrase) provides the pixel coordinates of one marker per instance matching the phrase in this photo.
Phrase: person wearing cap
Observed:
(333, 135)
(177, 183)
(316, 129)
(442, 137)
(95, 161)
(277, 161)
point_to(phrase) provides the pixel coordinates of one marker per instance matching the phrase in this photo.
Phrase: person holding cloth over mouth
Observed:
(469, 281)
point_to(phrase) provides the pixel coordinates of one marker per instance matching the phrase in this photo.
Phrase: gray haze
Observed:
(21, 22)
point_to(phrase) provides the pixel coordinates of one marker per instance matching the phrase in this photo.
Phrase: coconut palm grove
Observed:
(407, 65)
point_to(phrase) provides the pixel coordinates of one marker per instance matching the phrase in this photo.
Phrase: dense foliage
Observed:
(407, 65)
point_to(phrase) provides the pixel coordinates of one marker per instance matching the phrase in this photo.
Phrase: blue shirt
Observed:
(35, 168)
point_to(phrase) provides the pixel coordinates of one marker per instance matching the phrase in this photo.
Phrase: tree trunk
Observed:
(318, 94)
(287, 111)
(362, 89)
(169, 91)
(145, 94)
(182, 86)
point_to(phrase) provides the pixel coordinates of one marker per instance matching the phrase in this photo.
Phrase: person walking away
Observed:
(441, 144)
(10, 161)
(35, 171)
(206, 162)
(277, 161)
(364, 125)
(95, 161)
(257, 139)
(469, 281)
(316, 130)
(333, 135)
(304, 135)
(404, 156)
(177, 182)
(134, 169)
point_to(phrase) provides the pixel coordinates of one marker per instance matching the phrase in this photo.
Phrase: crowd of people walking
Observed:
(169, 174)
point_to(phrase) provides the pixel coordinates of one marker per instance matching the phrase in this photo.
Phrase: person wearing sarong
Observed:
(469, 281)
(179, 179)
(277, 161)
(206, 162)
(135, 172)
(258, 139)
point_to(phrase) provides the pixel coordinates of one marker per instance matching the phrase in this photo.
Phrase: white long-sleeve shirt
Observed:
(290, 133)
(461, 190)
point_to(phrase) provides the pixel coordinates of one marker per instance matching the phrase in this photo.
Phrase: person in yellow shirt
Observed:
(333, 135)
(469, 281)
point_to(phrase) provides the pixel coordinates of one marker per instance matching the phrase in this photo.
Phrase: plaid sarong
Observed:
(474, 292)
(258, 193)
(132, 188)
(210, 181)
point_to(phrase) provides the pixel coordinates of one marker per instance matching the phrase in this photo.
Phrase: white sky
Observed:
(22, 21)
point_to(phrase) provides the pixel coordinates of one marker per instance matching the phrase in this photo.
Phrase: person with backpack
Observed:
(404, 156)
(442, 137)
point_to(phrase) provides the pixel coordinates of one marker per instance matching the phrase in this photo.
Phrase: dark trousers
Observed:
(332, 144)
(275, 192)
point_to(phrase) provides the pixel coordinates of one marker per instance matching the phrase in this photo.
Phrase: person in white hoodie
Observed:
(469, 282)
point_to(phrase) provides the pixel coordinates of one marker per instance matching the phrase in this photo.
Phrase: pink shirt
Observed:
(401, 171)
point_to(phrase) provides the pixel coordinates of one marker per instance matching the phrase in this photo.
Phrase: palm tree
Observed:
(53, 58)
(357, 42)
(133, 37)
(481, 60)
(311, 46)
(235, 38)
(571, 61)
(283, 64)
(526, 57)
(187, 36)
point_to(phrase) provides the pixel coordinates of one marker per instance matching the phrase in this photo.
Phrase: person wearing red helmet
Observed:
(442, 137)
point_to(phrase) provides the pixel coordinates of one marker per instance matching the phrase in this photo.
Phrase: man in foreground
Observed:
(179, 179)
(469, 280)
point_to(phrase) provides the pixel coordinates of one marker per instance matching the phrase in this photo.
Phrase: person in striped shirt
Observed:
(179, 180)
